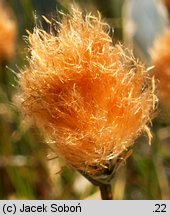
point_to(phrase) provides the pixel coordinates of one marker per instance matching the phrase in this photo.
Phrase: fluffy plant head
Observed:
(90, 97)
(167, 3)
(161, 61)
(8, 33)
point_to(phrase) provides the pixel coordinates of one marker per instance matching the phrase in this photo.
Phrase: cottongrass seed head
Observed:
(161, 61)
(91, 98)
(8, 33)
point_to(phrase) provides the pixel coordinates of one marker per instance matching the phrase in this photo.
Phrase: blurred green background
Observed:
(27, 169)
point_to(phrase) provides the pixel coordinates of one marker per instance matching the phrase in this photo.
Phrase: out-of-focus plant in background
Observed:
(25, 171)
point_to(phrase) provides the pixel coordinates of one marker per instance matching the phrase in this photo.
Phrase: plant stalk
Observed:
(106, 192)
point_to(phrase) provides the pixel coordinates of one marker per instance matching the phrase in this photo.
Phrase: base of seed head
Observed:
(109, 173)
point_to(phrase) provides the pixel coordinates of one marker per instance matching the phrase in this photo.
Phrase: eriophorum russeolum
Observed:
(8, 33)
(161, 60)
(90, 97)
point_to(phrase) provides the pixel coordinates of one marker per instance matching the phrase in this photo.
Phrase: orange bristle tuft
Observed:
(8, 33)
(161, 61)
(91, 98)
